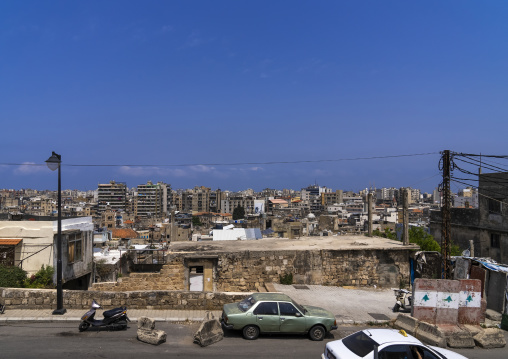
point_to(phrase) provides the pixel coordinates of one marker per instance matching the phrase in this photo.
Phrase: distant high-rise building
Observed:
(112, 194)
(152, 200)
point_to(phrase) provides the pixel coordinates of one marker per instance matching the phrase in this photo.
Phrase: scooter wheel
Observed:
(83, 326)
(396, 308)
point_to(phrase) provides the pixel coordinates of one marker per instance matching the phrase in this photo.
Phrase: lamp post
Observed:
(54, 163)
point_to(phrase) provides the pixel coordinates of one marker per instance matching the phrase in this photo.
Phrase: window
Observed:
(75, 247)
(494, 240)
(287, 309)
(267, 308)
(422, 353)
(494, 206)
(394, 352)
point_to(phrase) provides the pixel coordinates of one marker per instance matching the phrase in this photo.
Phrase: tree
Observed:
(195, 221)
(418, 236)
(42, 279)
(388, 233)
(239, 212)
(12, 277)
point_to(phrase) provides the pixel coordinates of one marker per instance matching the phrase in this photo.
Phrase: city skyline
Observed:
(164, 84)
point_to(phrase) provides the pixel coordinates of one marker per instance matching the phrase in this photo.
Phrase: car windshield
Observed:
(245, 304)
(359, 343)
(300, 308)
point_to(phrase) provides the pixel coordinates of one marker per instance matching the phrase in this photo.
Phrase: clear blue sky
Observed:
(198, 82)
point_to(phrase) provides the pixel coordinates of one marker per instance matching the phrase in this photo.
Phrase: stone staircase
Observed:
(170, 277)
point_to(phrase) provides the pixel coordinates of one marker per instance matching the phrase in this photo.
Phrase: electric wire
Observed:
(229, 164)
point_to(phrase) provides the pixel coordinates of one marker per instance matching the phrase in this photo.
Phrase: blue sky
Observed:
(158, 83)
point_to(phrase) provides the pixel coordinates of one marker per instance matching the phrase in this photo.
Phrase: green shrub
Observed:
(42, 279)
(286, 279)
(12, 277)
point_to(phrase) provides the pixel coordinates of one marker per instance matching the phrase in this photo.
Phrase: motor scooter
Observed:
(114, 319)
(2, 308)
(403, 299)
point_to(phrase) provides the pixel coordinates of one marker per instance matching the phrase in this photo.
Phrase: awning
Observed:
(9, 242)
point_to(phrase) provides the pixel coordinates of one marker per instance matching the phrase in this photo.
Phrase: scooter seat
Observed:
(112, 312)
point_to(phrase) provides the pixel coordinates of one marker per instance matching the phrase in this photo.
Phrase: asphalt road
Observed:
(54, 340)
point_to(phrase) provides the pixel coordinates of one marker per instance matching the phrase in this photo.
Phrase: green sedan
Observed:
(276, 313)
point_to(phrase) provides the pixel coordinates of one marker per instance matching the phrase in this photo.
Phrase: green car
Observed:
(276, 313)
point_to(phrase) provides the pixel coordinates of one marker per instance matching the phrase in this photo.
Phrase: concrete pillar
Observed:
(470, 296)
(173, 225)
(447, 310)
(405, 214)
(369, 204)
(425, 300)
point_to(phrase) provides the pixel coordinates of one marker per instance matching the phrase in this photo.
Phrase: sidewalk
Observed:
(74, 315)
(349, 305)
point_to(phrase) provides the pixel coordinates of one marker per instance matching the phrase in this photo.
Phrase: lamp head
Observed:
(54, 161)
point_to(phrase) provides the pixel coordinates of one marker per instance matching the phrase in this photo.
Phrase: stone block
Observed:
(457, 337)
(406, 322)
(154, 337)
(431, 334)
(493, 315)
(490, 338)
(146, 323)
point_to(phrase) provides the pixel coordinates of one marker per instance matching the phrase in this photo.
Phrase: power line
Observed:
(228, 164)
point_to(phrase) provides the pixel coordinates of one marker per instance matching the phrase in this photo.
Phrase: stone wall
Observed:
(171, 277)
(20, 298)
(249, 270)
(246, 271)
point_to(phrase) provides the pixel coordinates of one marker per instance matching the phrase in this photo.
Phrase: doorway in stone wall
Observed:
(196, 278)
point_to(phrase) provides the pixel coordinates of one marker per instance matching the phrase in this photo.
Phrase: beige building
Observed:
(31, 244)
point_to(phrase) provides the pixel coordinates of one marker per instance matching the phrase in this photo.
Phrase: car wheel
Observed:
(250, 332)
(396, 308)
(317, 333)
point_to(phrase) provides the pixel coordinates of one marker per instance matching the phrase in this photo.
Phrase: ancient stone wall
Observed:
(171, 277)
(250, 270)
(21, 298)
(247, 271)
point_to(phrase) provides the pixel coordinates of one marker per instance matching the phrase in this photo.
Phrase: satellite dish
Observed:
(466, 253)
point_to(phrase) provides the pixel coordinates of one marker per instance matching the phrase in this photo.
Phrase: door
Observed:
(196, 279)
(291, 320)
(7, 255)
(267, 316)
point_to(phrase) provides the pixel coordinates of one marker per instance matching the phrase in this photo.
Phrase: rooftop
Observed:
(303, 243)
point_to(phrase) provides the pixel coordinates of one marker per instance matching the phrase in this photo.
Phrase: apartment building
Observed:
(112, 195)
(153, 200)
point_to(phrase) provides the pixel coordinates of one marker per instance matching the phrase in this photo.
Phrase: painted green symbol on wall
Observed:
(449, 299)
(426, 298)
(469, 298)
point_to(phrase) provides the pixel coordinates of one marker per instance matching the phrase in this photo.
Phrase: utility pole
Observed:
(446, 217)
(405, 217)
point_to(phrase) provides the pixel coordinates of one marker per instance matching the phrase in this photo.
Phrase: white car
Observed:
(390, 343)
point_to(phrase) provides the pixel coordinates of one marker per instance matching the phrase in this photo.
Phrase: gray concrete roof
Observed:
(358, 242)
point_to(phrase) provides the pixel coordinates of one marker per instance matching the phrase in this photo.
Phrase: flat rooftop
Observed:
(356, 242)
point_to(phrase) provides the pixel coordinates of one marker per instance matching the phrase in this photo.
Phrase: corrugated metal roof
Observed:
(9, 242)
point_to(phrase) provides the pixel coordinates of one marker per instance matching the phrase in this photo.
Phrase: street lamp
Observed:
(54, 163)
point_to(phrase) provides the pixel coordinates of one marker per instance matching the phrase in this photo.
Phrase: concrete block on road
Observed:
(490, 338)
(431, 334)
(406, 322)
(457, 337)
(146, 323)
(209, 332)
(493, 315)
(473, 329)
(154, 337)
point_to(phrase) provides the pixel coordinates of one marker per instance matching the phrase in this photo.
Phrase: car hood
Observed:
(318, 312)
(232, 308)
(448, 353)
